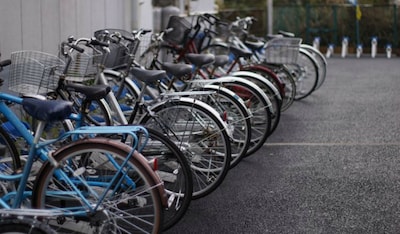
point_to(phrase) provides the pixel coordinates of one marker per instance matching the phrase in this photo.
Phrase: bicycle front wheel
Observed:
(99, 189)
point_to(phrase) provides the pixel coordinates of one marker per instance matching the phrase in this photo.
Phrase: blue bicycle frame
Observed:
(40, 149)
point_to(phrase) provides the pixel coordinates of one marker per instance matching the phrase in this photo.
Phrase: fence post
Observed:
(395, 22)
(329, 51)
(316, 43)
(374, 46)
(388, 50)
(359, 50)
(345, 44)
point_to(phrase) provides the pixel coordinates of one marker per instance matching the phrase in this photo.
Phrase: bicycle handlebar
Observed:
(72, 46)
(4, 63)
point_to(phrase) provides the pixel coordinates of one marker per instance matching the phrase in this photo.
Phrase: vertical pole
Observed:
(308, 36)
(270, 16)
(182, 6)
(358, 18)
(335, 25)
(395, 22)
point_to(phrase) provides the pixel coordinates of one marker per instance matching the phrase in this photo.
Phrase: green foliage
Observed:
(330, 21)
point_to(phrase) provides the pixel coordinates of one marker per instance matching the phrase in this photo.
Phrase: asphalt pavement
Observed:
(332, 166)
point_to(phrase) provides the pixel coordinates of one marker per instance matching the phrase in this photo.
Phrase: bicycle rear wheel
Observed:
(236, 115)
(321, 61)
(115, 201)
(270, 90)
(287, 84)
(10, 155)
(258, 104)
(200, 134)
(174, 170)
(306, 74)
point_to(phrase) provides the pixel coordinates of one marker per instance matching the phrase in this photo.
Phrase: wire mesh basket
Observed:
(84, 66)
(119, 51)
(181, 30)
(282, 50)
(223, 31)
(34, 72)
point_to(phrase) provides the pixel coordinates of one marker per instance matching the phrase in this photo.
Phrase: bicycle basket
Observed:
(34, 72)
(84, 66)
(181, 30)
(282, 50)
(118, 51)
(223, 31)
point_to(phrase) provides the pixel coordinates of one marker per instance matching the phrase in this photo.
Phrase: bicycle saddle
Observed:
(148, 76)
(177, 69)
(200, 60)
(93, 92)
(255, 45)
(240, 52)
(47, 110)
(221, 60)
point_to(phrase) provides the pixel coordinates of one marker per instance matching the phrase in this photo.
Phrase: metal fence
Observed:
(331, 23)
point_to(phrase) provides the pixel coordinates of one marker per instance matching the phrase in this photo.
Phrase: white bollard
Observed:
(329, 51)
(345, 46)
(359, 50)
(374, 46)
(316, 43)
(388, 50)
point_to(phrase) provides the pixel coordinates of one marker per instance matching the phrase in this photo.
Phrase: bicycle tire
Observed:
(286, 81)
(95, 111)
(258, 104)
(84, 159)
(321, 60)
(270, 90)
(22, 225)
(98, 113)
(174, 170)
(235, 114)
(182, 119)
(10, 160)
(305, 73)
(170, 160)
(267, 73)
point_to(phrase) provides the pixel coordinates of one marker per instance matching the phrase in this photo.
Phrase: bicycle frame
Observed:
(42, 150)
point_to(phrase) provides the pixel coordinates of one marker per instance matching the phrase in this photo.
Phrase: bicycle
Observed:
(285, 50)
(72, 175)
(192, 124)
(253, 95)
(171, 165)
(242, 59)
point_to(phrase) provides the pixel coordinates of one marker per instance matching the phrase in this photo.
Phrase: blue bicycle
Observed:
(90, 185)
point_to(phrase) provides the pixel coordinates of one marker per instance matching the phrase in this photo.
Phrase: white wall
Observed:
(202, 6)
(43, 24)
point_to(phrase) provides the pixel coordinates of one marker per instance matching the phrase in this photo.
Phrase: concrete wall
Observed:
(43, 24)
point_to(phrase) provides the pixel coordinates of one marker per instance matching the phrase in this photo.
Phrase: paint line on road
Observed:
(332, 144)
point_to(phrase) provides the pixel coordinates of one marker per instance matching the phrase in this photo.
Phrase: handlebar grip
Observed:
(5, 63)
(77, 48)
(204, 18)
(168, 30)
(146, 31)
(208, 15)
(96, 42)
